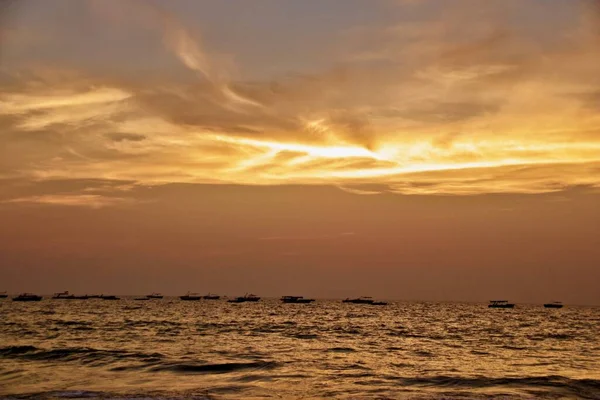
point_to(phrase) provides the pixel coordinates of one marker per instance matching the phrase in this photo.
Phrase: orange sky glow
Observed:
(397, 113)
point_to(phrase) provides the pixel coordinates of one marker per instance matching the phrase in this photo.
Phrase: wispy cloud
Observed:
(465, 102)
(79, 200)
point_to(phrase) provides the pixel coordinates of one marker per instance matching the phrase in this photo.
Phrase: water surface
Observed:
(217, 350)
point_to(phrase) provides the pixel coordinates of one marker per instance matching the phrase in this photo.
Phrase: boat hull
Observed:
(26, 299)
(358, 301)
(553, 306)
(501, 306)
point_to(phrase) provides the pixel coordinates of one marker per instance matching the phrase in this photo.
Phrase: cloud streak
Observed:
(418, 107)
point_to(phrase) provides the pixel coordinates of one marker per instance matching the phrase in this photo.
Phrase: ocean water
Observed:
(169, 349)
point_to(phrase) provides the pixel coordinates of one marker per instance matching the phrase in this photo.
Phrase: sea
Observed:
(173, 349)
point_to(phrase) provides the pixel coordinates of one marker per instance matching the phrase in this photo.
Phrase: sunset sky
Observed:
(409, 149)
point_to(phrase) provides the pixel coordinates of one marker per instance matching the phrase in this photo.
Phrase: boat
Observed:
(296, 299)
(379, 303)
(63, 296)
(66, 296)
(359, 300)
(500, 304)
(245, 298)
(3, 295)
(142, 298)
(554, 304)
(211, 296)
(154, 296)
(27, 297)
(190, 297)
(109, 297)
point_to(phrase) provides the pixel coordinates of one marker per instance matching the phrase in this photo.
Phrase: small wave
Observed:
(214, 368)
(342, 350)
(423, 353)
(556, 336)
(15, 350)
(510, 347)
(583, 388)
(84, 354)
(305, 336)
(89, 394)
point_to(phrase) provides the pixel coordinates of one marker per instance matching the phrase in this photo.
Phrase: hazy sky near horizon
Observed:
(419, 149)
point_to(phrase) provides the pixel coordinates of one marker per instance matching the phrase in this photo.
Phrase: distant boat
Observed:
(359, 300)
(27, 297)
(109, 297)
(245, 298)
(554, 304)
(500, 304)
(3, 295)
(211, 296)
(142, 298)
(93, 296)
(63, 296)
(296, 299)
(190, 297)
(379, 303)
(154, 296)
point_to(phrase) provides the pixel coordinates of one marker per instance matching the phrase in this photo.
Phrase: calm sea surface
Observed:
(169, 349)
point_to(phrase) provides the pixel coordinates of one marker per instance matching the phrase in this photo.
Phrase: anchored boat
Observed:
(500, 304)
(554, 304)
(190, 297)
(27, 297)
(245, 298)
(359, 300)
(109, 297)
(296, 299)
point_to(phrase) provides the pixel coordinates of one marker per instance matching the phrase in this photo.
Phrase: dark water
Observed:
(212, 349)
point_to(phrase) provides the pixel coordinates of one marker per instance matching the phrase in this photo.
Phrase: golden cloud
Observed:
(429, 108)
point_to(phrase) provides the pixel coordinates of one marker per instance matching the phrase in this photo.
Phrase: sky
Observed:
(401, 149)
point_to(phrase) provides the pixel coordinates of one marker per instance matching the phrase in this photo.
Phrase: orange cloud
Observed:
(419, 108)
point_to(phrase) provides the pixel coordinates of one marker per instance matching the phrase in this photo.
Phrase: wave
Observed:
(214, 368)
(83, 354)
(92, 394)
(582, 388)
(341, 350)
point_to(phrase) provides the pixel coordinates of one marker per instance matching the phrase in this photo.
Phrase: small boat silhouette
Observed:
(554, 304)
(190, 297)
(63, 296)
(155, 296)
(245, 298)
(142, 298)
(359, 300)
(27, 297)
(3, 295)
(379, 303)
(109, 297)
(211, 296)
(500, 304)
(296, 300)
